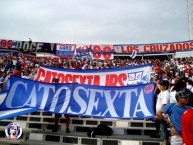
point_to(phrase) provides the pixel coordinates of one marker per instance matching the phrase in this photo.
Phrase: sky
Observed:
(94, 21)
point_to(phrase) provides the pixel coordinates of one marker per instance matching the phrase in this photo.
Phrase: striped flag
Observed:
(133, 54)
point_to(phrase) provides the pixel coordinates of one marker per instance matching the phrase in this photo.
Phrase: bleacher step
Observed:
(78, 138)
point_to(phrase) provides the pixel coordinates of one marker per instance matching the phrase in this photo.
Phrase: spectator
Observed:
(187, 127)
(191, 73)
(187, 68)
(189, 85)
(156, 80)
(177, 86)
(26, 75)
(157, 68)
(162, 100)
(57, 116)
(175, 112)
(189, 90)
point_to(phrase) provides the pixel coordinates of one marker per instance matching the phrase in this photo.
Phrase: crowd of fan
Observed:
(26, 66)
(178, 71)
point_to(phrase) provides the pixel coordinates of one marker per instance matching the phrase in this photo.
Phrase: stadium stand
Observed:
(37, 129)
(37, 126)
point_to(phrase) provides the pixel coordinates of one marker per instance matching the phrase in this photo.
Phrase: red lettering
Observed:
(145, 48)
(61, 77)
(41, 74)
(96, 52)
(152, 48)
(89, 80)
(113, 80)
(136, 48)
(74, 78)
(83, 50)
(172, 47)
(96, 80)
(169, 48)
(191, 44)
(129, 49)
(9, 43)
(54, 75)
(107, 80)
(123, 49)
(160, 48)
(48, 77)
(107, 52)
(122, 77)
(68, 78)
(3, 43)
(178, 47)
(6, 43)
(82, 79)
(186, 46)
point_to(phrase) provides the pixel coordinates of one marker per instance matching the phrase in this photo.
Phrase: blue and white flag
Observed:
(15, 112)
(133, 54)
(83, 100)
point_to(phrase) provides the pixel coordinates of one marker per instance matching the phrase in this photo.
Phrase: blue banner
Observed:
(14, 112)
(83, 100)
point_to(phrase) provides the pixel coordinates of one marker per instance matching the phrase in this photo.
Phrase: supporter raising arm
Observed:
(162, 100)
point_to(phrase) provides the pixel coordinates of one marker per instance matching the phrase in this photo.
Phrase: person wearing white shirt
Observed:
(177, 86)
(162, 100)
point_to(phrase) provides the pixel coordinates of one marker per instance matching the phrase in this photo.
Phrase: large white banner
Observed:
(125, 76)
(154, 47)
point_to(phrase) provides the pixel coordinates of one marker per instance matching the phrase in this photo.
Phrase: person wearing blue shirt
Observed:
(175, 111)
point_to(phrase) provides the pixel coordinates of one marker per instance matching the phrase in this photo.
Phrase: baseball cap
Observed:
(164, 83)
(182, 94)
